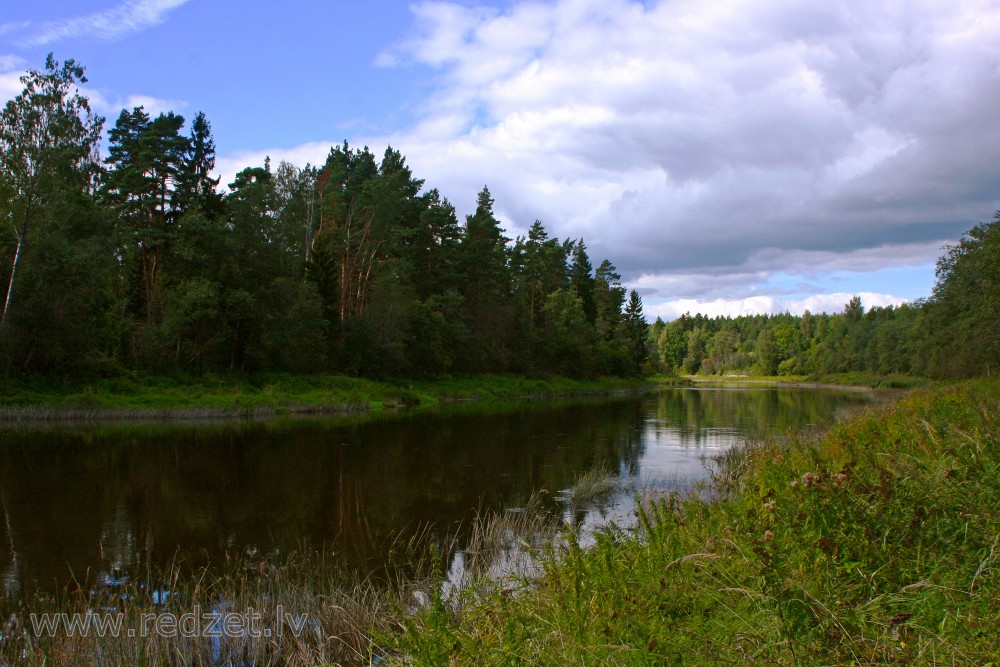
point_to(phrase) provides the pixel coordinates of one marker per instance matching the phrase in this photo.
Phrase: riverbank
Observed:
(152, 397)
(853, 379)
(874, 545)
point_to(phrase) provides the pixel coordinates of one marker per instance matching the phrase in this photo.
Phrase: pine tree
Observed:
(636, 332)
(195, 185)
(486, 287)
(609, 298)
(145, 160)
(582, 280)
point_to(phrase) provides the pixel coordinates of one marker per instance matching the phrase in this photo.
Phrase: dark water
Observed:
(84, 501)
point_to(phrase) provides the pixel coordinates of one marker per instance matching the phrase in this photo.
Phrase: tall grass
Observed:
(876, 544)
(504, 544)
(311, 613)
(591, 487)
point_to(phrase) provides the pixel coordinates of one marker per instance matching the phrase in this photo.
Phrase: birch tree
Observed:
(48, 146)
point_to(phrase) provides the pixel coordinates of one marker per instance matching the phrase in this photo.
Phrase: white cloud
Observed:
(110, 108)
(710, 130)
(802, 270)
(228, 165)
(13, 26)
(716, 142)
(10, 86)
(152, 105)
(765, 305)
(11, 63)
(11, 69)
(114, 23)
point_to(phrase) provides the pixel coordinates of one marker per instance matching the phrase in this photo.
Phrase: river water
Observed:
(82, 502)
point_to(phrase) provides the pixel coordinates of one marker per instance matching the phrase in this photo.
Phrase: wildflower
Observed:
(768, 535)
(840, 478)
(810, 479)
(770, 507)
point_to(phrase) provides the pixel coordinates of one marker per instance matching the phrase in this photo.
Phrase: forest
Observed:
(953, 333)
(137, 261)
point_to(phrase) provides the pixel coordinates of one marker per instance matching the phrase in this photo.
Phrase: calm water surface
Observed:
(87, 501)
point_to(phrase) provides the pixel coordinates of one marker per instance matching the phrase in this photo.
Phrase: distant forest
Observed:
(953, 333)
(136, 261)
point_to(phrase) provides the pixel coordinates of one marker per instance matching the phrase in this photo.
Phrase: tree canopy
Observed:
(139, 261)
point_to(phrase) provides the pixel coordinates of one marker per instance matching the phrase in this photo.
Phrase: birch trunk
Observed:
(13, 274)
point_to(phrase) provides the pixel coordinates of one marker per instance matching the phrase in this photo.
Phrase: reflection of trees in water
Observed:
(96, 499)
(81, 501)
(704, 418)
(11, 576)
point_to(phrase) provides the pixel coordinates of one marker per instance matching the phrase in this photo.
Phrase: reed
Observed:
(873, 544)
(310, 613)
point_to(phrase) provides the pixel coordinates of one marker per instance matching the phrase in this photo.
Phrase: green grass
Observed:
(852, 379)
(592, 487)
(859, 379)
(274, 393)
(313, 612)
(877, 544)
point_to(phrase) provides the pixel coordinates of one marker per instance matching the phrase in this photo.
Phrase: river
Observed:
(88, 501)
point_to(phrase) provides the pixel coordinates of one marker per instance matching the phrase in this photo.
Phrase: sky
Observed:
(729, 157)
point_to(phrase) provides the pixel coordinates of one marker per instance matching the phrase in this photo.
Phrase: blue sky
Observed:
(728, 157)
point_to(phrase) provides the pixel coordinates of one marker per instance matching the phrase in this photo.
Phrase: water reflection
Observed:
(684, 426)
(79, 503)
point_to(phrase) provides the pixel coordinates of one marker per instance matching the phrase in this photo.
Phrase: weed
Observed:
(871, 545)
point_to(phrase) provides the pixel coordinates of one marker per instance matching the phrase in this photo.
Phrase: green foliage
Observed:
(635, 332)
(868, 547)
(767, 354)
(348, 267)
(965, 310)
(566, 331)
(52, 234)
(130, 395)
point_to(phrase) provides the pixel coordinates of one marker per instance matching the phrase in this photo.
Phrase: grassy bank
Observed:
(878, 544)
(853, 379)
(269, 394)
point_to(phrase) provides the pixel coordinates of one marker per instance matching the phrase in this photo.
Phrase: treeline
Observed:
(954, 333)
(136, 260)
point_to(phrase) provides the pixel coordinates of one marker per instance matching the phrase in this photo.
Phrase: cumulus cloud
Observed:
(802, 271)
(11, 87)
(152, 105)
(228, 165)
(682, 135)
(707, 147)
(11, 69)
(114, 23)
(766, 305)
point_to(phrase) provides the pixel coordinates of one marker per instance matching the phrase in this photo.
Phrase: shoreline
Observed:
(161, 400)
(849, 381)
(791, 528)
(765, 382)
